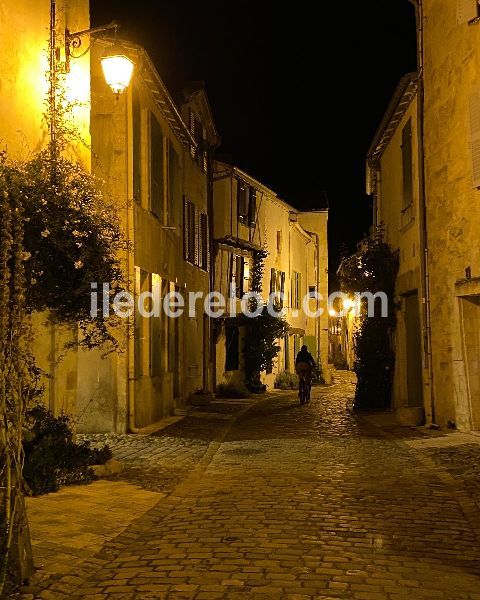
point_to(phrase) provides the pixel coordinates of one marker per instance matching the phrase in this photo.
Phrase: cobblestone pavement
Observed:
(296, 503)
(159, 462)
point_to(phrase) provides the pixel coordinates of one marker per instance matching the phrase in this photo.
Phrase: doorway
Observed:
(414, 351)
(471, 348)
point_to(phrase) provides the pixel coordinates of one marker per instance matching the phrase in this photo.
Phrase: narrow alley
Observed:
(297, 502)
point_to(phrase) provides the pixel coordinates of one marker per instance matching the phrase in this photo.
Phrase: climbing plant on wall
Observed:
(262, 332)
(373, 268)
(57, 235)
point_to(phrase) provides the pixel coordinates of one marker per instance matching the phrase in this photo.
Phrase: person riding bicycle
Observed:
(304, 364)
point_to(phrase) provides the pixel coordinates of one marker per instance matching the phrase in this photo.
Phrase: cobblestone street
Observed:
(290, 502)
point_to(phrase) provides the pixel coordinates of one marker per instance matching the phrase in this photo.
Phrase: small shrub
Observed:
(317, 374)
(340, 363)
(52, 458)
(286, 381)
(232, 390)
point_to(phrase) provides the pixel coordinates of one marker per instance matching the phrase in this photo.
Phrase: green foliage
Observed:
(317, 373)
(71, 238)
(52, 458)
(261, 344)
(373, 268)
(258, 269)
(340, 362)
(262, 332)
(286, 381)
(232, 390)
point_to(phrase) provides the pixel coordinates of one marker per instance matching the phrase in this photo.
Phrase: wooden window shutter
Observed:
(156, 167)
(186, 233)
(208, 258)
(193, 150)
(136, 126)
(475, 137)
(205, 150)
(200, 145)
(204, 241)
(197, 237)
(252, 207)
(467, 10)
(173, 183)
(191, 233)
(241, 200)
(282, 288)
(299, 292)
(407, 166)
(273, 281)
(239, 275)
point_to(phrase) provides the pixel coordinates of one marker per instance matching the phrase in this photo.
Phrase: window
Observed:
(136, 126)
(286, 347)
(312, 291)
(173, 185)
(296, 291)
(237, 269)
(279, 241)
(189, 230)
(252, 207)
(142, 284)
(407, 167)
(196, 245)
(156, 168)
(156, 330)
(204, 242)
(467, 10)
(242, 208)
(277, 287)
(192, 127)
(198, 151)
(232, 348)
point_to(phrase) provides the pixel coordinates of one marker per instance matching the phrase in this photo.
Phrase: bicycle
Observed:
(304, 385)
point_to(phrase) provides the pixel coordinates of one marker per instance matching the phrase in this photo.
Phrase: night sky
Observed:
(296, 97)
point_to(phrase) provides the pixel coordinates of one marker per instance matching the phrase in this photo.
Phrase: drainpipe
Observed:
(130, 205)
(424, 255)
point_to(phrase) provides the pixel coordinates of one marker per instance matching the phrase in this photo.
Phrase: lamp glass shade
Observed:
(117, 69)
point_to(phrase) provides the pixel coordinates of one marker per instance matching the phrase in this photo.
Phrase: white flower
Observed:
(78, 264)
(45, 233)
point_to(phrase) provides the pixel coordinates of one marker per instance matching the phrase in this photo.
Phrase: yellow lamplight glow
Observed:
(333, 313)
(348, 304)
(117, 68)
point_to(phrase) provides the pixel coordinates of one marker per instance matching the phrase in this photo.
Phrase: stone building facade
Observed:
(249, 217)
(155, 159)
(394, 176)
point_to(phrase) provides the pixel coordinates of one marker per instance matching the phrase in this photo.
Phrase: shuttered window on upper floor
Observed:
(252, 207)
(242, 204)
(174, 187)
(467, 10)
(156, 168)
(407, 165)
(475, 136)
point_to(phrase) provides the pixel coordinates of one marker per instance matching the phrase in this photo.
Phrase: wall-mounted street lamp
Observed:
(116, 65)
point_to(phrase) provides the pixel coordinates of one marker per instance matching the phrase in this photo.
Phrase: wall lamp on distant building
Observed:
(116, 65)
